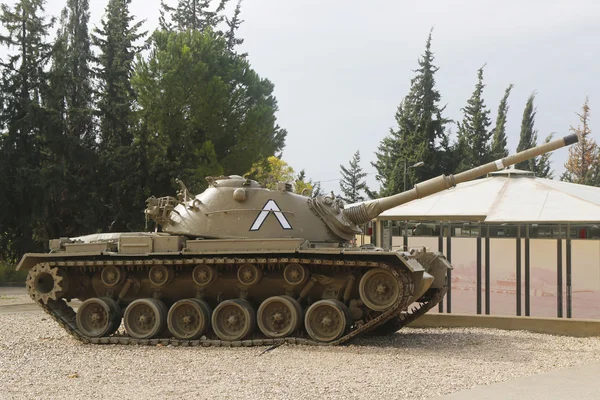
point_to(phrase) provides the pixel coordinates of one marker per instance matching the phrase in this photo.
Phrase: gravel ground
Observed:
(39, 360)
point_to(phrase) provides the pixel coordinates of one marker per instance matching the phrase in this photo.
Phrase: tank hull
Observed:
(229, 291)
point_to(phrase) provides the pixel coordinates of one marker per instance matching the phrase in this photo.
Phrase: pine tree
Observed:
(584, 156)
(78, 82)
(120, 170)
(23, 124)
(116, 44)
(234, 24)
(69, 143)
(528, 137)
(420, 135)
(352, 183)
(192, 15)
(499, 144)
(473, 133)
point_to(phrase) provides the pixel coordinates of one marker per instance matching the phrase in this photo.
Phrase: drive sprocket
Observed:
(45, 283)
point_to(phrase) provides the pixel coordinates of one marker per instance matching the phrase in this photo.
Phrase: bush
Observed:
(8, 275)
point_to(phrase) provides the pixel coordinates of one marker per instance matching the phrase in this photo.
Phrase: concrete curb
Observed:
(555, 326)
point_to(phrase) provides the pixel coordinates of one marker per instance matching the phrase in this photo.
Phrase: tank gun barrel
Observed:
(365, 212)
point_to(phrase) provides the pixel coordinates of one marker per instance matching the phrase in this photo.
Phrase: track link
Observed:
(65, 316)
(403, 319)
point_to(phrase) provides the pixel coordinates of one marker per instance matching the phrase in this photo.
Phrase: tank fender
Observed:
(437, 265)
(29, 260)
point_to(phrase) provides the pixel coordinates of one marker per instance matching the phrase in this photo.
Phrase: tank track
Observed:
(396, 323)
(65, 316)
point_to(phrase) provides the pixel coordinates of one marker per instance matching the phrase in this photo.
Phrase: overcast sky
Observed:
(341, 67)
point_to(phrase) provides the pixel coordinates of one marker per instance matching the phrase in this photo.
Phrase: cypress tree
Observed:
(499, 144)
(473, 133)
(352, 182)
(420, 135)
(528, 137)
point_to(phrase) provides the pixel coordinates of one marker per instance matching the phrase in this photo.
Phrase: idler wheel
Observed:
(188, 319)
(295, 274)
(249, 274)
(145, 318)
(46, 283)
(98, 317)
(327, 320)
(233, 319)
(379, 289)
(279, 316)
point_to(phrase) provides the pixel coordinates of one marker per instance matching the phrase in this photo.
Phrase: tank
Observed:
(241, 265)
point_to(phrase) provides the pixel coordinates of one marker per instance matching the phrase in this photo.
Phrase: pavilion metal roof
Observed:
(506, 196)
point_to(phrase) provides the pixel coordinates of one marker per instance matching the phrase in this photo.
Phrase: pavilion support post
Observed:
(487, 269)
(527, 272)
(569, 283)
(559, 273)
(441, 250)
(449, 257)
(518, 271)
(479, 269)
(405, 235)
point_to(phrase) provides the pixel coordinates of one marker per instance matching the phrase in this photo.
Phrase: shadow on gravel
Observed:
(460, 343)
(425, 339)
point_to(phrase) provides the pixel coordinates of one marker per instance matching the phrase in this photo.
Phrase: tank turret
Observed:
(234, 207)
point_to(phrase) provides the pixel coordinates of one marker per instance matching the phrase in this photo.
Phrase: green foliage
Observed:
(499, 144)
(9, 275)
(420, 135)
(119, 171)
(115, 41)
(352, 183)
(528, 139)
(269, 171)
(201, 110)
(583, 164)
(23, 123)
(544, 169)
(81, 148)
(69, 162)
(473, 133)
(304, 186)
(192, 15)
(233, 25)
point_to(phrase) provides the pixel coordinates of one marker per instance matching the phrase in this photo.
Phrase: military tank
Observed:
(241, 265)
